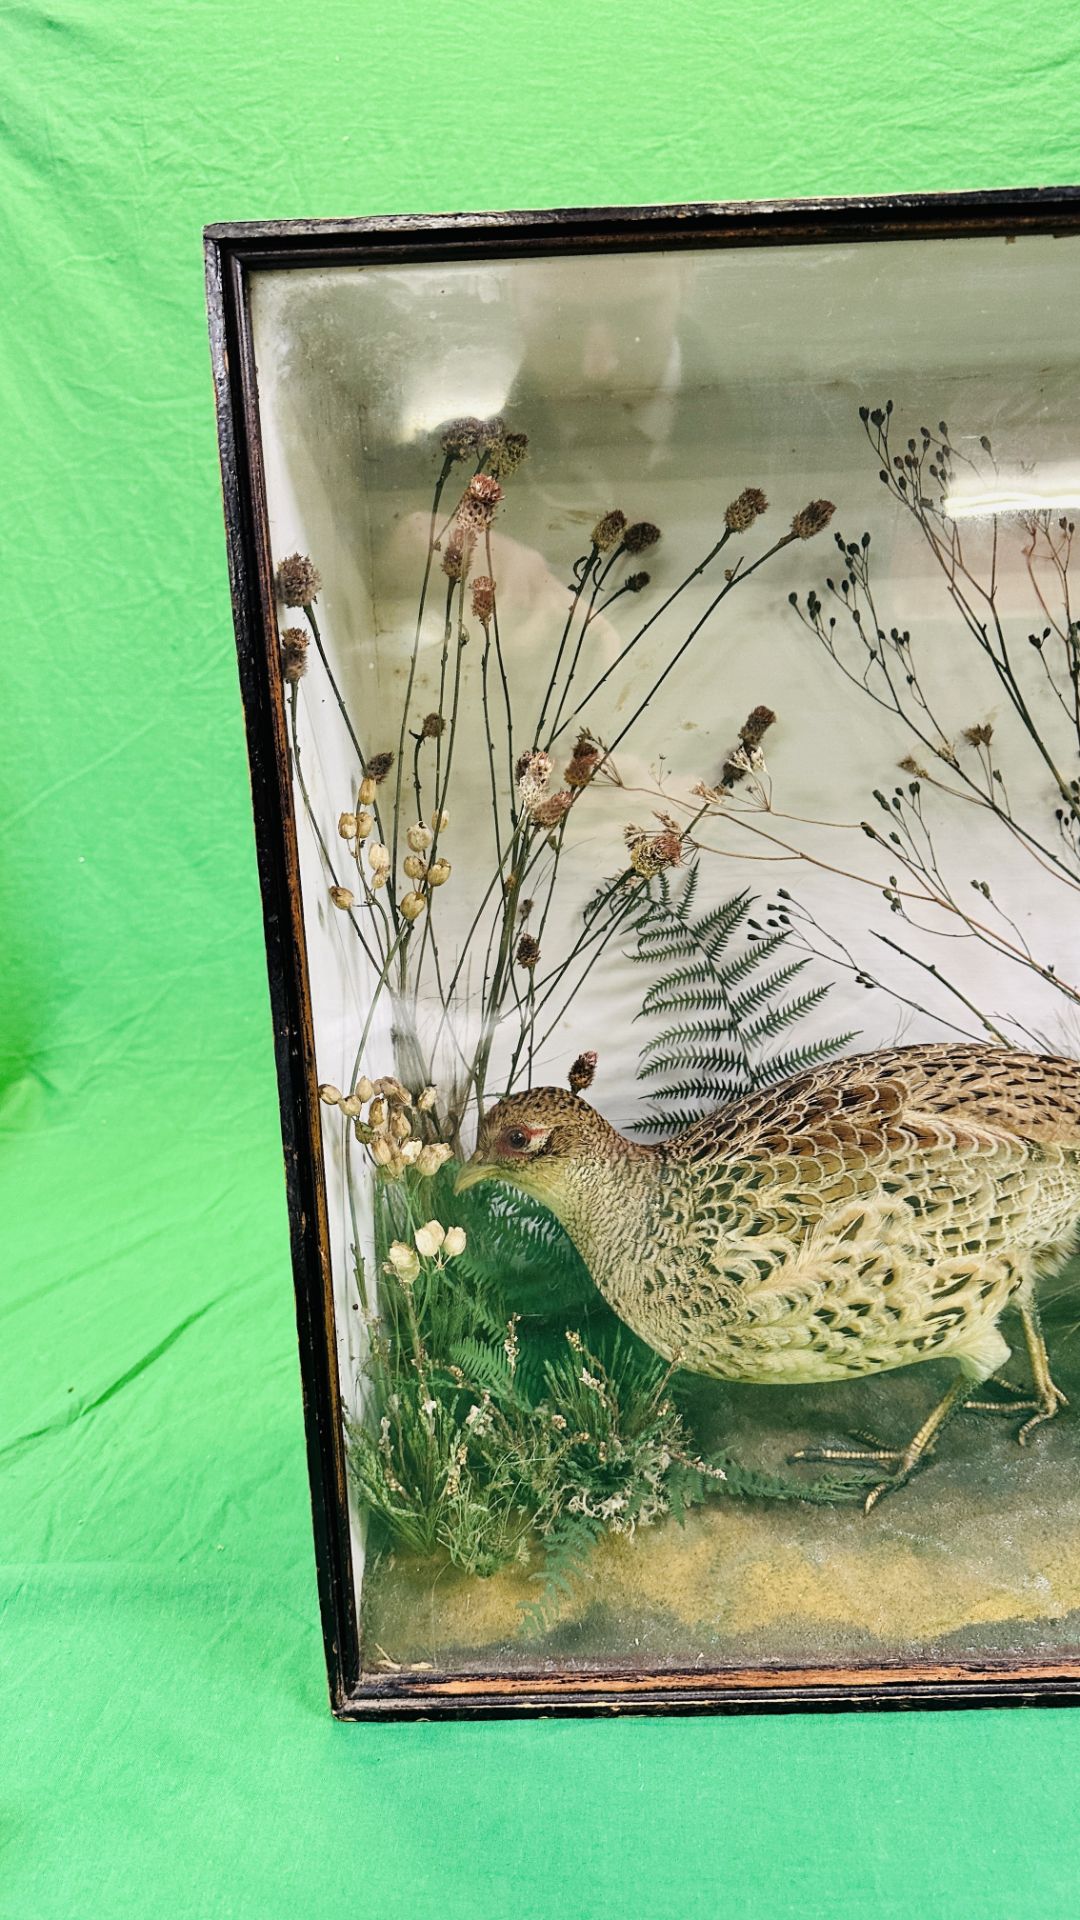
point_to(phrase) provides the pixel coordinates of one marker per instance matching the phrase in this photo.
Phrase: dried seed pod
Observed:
(378, 857)
(364, 824)
(400, 1128)
(608, 529)
(744, 510)
(368, 790)
(431, 1158)
(377, 1114)
(438, 873)
(412, 905)
(427, 1100)
(440, 822)
(299, 583)
(583, 1072)
(403, 1261)
(381, 1151)
(353, 1106)
(346, 826)
(812, 518)
(329, 1094)
(454, 1242)
(415, 866)
(428, 1239)
(342, 898)
(363, 1089)
(419, 838)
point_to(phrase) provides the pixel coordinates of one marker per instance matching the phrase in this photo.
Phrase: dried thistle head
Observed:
(910, 765)
(483, 598)
(477, 505)
(756, 726)
(551, 808)
(813, 518)
(608, 530)
(528, 951)
(455, 560)
(506, 454)
(461, 437)
(745, 509)
(651, 853)
(379, 766)
(299, 583)
(640, 536)
(583, 762)
(636, 582)
(979, 735)
(294, 651)
(583, 1072)
(434, 726)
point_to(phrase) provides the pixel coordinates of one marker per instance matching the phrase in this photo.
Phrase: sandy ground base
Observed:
(980, 1554)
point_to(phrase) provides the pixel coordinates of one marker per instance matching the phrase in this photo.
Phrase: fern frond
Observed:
(690, 1033)
(661, 1125)
(775, 1020)
(709, 1087)
(784, 1066)
(706, 1059)
(760, 991)
(755, 955)
(715, 929)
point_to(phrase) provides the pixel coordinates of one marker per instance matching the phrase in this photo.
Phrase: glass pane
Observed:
(722, 604)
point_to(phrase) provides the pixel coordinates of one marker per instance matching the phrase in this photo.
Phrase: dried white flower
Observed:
(454, 1242)
(403, 1261)
(429, 1239)
(419, 838)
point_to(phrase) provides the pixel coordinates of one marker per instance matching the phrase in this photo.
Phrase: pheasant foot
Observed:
(1045, 1399)
(905, 1460)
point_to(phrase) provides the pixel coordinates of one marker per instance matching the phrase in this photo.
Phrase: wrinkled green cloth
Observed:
(166, 1745)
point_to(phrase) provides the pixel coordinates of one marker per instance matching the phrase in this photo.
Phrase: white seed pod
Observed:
(426, 1100)
(419, 838)
(432, 1158)
(363, 1089)
(346, 826)
(330, 1095)
(364, 824)
(412, 905)
(399, 1124)
(368, 790)
(429, 1239)
(379, 879)
(377, 1115)
(415, 866)
(390, 1085)
(342, 898)
(411, 1151)
(381, 1151)
(378, 857)
(352, 1106)
(403, 1261)
(440, 822)
(438, 873)
(454, 1242)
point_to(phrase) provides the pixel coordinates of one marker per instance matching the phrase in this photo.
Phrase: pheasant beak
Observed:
(472, 1173)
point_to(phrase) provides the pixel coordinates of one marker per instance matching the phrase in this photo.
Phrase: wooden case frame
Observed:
(233, 251)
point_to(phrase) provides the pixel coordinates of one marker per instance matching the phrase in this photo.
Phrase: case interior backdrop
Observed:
(167, 1747)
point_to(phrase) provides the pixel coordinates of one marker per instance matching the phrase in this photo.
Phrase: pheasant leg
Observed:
(1048, 1399)
(905, 1459)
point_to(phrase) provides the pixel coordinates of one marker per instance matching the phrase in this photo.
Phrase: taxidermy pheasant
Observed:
(877, 1211)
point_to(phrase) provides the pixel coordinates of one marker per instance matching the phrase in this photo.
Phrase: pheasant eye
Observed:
(517, 1139)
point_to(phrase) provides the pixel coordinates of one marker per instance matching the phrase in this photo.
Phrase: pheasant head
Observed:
(552, 1145)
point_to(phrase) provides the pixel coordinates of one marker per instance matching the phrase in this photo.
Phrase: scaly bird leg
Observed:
(906, 1459)
(1048, 1399)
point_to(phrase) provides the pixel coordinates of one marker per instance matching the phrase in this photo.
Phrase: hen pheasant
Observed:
(878, 1211)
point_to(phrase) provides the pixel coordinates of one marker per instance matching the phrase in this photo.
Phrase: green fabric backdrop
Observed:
(167, 1748)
